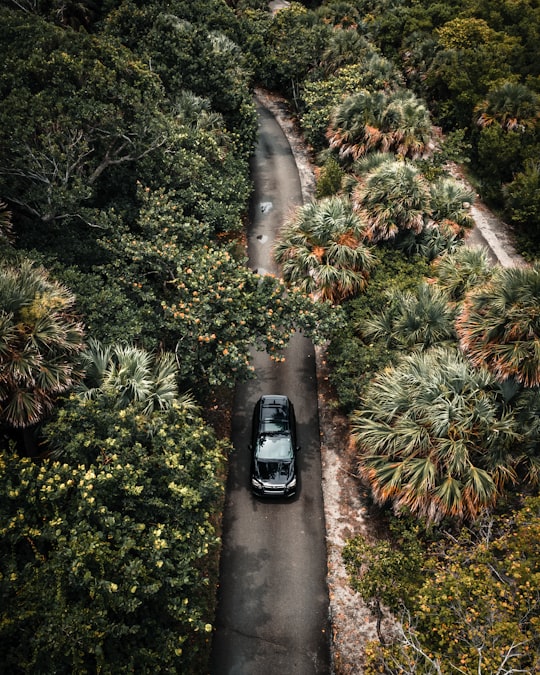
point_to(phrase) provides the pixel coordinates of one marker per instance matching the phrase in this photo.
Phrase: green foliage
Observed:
(104, 563)
(6, 225)
(386, 572)
(344, 47)
(320, 97)
(353, 357)
(74, 107)
(393, 198)
(330, 179)
(472, 56)
(450, 204)
(376, 121)
(461, 271)
(477, 609)
(294, 39)
(111, 311)
(431, 243)
(522, 197)
(216, 309)
(127, 375)
(183, 44)
(500, 157)
(499, 325)
(452, 148)
(414, 320)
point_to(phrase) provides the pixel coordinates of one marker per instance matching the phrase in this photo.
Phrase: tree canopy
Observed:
(104, 561)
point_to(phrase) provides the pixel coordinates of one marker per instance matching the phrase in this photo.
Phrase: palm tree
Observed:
(381, 73)
(433, 438)
(511, 105)
(450, 204)
(462, 270)
(128, 374)
(396, 122)
(40, 339)
(321, 250)
(6, 227)
(432, 242)
(526, 407)
(393, 198)
(344, 47)
(196, 112)
(416, 320)
(347, 130)
(499, 325)
(407, 124)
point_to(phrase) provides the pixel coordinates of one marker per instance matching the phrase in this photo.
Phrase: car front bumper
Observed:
(273, 490)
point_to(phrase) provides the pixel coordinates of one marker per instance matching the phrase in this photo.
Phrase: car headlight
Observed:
(292, 483)
(256, 483)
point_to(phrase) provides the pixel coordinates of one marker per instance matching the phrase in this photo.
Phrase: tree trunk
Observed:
(379, 614)
(30, 443)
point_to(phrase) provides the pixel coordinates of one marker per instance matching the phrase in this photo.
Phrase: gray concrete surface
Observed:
(273, 615)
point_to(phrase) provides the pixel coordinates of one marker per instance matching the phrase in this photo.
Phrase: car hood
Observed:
(274, 472)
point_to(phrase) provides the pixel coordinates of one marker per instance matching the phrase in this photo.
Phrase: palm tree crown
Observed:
(414, 320)
(499, 325)
(450, 203)
(343, 48)
(129, 374)
(392, 198)
(396, 122)
(512, 105)
(39, 343)
(321, 250)
(462, 270)
(432, 436)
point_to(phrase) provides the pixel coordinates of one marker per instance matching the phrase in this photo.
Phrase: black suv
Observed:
(273, 447)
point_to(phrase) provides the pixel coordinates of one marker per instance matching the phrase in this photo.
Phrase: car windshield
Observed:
(272, 446)
(274, 425)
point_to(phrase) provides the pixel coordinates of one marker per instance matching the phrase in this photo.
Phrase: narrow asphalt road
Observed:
(272, 615)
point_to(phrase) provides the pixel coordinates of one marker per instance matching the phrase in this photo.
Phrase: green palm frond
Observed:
(448, 498)
(384, 476)
(25, 407)
(164, 384)
(415, 320)
(393, 197)
(95, 360)
(499, 324)
(371, 121)
(39, 342)
(420, 474)
(451, 200)
(6, 226)
(512, 105)
(443, 423)
(462, 270)
(130, 375)
(321, 250)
